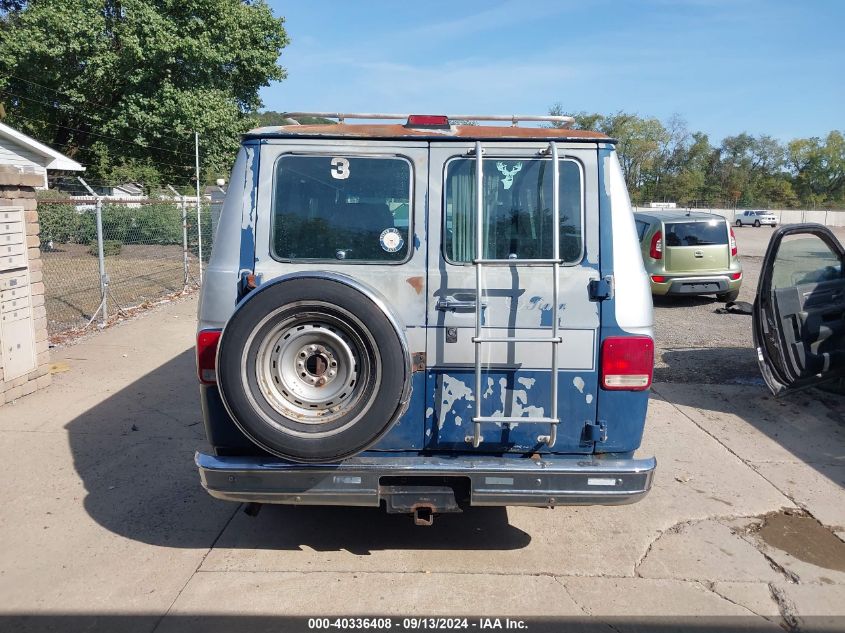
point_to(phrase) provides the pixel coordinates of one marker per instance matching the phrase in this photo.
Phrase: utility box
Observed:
(17, 331)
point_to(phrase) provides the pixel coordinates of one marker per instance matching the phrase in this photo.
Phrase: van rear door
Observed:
(354, 207)
(516, 300)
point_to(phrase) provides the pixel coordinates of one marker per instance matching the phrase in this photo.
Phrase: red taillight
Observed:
(735, 276)
(733, 243)
(207, 356)
(428, 120)
(658, 279)
(656, 250)
(627, 362)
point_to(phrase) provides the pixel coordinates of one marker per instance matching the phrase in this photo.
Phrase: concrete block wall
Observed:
(17, 189)
(832, 218)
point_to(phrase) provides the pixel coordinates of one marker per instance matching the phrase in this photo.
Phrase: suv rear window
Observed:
(348, 208)
(705, 233)
(517, 209)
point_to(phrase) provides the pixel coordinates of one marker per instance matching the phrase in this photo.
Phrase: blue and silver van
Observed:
(425, 315)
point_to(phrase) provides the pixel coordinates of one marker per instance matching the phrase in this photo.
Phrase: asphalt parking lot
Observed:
(104, 526)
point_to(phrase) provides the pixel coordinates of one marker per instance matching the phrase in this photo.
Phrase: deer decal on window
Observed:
(508, 174)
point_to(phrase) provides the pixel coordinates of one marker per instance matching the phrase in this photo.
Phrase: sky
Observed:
(725, 66)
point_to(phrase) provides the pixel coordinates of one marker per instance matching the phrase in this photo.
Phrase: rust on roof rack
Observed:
(564, 121)
(455, 133)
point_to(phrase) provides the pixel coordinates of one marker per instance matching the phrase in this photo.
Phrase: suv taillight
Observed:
(627, 363)
(207, 356)
(733, 243)
(656, 250)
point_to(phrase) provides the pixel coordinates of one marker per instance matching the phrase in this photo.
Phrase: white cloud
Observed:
(506, 14)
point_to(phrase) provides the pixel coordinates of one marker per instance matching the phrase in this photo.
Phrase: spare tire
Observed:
(313, 367)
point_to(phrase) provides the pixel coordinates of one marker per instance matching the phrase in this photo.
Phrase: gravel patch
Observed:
(695, 344)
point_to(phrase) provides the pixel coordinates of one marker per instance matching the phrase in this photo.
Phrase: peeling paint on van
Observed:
(489, 391)
(579, 383)
(519, 402)
(248, 255)
(526, 382)
(454, 389)
(589, 398)
(545, 309)
(429, 412)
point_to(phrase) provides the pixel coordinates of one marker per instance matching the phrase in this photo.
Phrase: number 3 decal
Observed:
(340, 168)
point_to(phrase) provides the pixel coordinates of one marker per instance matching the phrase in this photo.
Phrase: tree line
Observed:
(122, 85)
(666, 162)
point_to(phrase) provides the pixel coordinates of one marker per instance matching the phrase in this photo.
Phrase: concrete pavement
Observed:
(102, 516)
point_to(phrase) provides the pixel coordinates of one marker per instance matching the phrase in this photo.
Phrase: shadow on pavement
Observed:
(808, 424)
(714, 365)
(134, 453)
(364, 530)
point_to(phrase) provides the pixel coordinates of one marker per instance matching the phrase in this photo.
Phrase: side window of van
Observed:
(341, 208)
(642, 227)
(517, 209)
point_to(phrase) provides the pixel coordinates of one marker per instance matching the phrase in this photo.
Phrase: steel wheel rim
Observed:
(312, 367)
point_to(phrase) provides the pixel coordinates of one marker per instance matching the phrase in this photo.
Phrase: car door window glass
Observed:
(517, 209)
(804, 259)
(341, 208)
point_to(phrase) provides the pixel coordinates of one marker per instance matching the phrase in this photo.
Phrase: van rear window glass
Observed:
(517, 210)
(705, 233)
(342, 208)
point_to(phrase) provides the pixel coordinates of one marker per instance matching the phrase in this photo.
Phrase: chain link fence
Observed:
(103, 258)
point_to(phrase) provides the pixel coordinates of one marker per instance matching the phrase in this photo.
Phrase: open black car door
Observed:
(799, 312)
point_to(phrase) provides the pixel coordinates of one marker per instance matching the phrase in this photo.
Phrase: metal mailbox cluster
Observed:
(17, 334)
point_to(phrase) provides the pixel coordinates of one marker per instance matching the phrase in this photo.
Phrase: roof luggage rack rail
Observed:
(514, 119)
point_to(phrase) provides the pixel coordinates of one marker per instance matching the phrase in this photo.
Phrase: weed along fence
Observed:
(103, 256)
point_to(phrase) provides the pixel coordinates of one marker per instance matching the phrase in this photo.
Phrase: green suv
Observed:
(689, 253)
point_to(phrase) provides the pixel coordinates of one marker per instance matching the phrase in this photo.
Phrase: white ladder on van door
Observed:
(479, 339)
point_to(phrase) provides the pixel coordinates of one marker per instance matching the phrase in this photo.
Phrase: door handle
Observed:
(454, 304)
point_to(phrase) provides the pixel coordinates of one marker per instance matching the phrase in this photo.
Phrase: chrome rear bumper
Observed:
(564, 480)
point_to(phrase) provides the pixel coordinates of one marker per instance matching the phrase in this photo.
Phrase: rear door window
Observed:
(706, 233)
(641, 229)
(341, 208)
(517, 209)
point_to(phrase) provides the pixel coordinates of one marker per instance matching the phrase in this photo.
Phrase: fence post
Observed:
(185, 239)
(199, 237)
(101, 256)
(183, 205)
(199, 203)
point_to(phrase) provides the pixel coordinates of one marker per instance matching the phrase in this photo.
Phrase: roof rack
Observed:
(513, 118)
